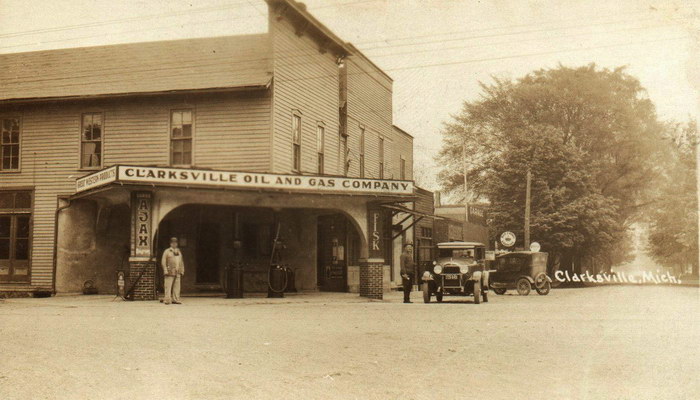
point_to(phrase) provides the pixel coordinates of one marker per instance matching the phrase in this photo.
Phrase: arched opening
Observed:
(318, 244)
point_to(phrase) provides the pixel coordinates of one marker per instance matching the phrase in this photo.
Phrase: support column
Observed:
(372, 268)
(142, 263)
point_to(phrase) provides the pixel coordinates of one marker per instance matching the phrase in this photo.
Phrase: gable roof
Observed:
(150, 67)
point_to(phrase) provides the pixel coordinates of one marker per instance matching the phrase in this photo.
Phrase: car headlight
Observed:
(438, 269)
(463, 269)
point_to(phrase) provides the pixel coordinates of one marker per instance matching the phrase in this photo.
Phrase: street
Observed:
(614, 342)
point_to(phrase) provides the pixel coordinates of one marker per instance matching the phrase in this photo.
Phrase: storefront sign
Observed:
(96, 179)
(241, 180)
(375, 224)
(142, 215)
(477, 215)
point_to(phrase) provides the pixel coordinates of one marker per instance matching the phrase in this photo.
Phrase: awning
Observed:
(417, 216)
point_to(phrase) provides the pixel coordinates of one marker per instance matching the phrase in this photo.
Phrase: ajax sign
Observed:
(508, 239)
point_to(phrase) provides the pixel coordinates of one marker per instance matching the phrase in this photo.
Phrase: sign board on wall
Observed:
(241, 180)
(375, 225)
(142, 217)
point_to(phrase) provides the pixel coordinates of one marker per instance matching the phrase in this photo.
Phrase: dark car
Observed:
(458, 270)
(520, 270)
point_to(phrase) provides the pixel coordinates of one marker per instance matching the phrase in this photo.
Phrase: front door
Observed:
(208, 253)
(332, 253)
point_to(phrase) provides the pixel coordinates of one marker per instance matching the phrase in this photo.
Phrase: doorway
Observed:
(332, 253)
(208, 248)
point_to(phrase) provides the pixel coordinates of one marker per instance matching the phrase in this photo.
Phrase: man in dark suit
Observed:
(408, 271)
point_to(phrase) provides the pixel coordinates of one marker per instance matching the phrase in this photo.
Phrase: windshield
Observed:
(456, 253)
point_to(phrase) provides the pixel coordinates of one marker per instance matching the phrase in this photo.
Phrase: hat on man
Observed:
(173, 239)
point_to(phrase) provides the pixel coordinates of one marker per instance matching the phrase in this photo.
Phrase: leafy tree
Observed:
(673, 220)
(590, 137)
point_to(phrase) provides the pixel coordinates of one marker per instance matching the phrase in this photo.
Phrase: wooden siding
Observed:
(205, 63)
(231, 132)
(403, 145)
(369, 105)
(305, 80)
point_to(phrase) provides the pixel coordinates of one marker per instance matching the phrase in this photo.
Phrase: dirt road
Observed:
(595, 343)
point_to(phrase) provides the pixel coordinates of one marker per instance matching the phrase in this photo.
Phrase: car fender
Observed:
(476, 276)
(427, 276)
(485, 280)
(529, 278)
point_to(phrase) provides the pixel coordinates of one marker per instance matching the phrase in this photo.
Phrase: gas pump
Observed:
(277, 274)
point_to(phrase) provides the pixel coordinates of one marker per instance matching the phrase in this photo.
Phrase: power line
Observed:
(123, 20)
(506, 34)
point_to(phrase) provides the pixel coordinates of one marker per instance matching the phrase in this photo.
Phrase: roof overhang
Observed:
(154, 176)
(253, 87)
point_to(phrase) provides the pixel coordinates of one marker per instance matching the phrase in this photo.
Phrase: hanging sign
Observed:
(508, 238)
(142, 216)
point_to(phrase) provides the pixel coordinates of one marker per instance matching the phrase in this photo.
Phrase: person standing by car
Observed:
(173, 269)
(408, 271)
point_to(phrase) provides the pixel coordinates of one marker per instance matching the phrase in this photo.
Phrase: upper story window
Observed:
(9, 144)
(402, 168)
(381, 157)
(320, 146)
(296, 142)
(181, 131)
(91, 141)
(362, 151)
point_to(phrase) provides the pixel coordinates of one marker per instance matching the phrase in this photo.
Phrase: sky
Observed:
(436, 51)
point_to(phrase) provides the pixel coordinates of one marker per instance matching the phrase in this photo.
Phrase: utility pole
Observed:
(464, 171)
(527, 209)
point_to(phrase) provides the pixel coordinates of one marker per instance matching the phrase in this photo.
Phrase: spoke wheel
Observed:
(523, 286)
(542, 285)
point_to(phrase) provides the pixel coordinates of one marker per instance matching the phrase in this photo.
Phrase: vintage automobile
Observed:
(458, 270)
(520, 270)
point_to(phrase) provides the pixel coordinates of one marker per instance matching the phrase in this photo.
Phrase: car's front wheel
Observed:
(523, 286)
(542, 285)
(499, 291)
(438, 297)
(477, 292)
(426, 292)
(485, 294)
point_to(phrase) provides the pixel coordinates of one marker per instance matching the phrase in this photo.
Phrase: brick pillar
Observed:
(142, 276)
(142, 264)
(372, 278)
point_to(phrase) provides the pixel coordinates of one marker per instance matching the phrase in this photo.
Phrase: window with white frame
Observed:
(9, 144)
(296, 142)
(381, 157)
(181, 132)
(362, 151)
(320, 145)
(91, 141)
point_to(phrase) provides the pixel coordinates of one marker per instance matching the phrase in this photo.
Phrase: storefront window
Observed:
(15, 235)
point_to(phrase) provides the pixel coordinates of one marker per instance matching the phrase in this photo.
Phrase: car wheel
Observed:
(485, 294)
(438, 297)
(426, 292)
(542, 285)
(523, 286)
(499, 291)
(477, 292)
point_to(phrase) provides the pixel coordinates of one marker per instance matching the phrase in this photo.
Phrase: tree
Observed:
(673, 220)
(590, 137)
